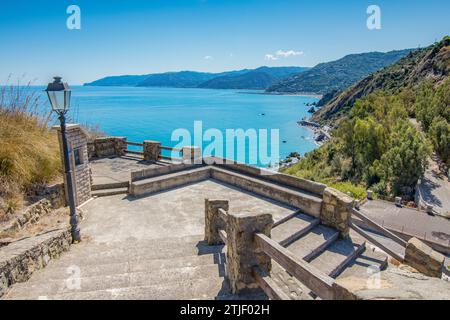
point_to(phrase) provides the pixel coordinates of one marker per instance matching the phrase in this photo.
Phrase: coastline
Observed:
(299, 94)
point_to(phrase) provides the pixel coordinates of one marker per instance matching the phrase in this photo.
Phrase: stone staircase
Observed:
(174, 268)
(322, 248)
(109, 189)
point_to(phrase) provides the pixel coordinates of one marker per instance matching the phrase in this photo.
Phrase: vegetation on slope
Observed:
(377, 144)
(260, 78)
(29, 152)
(432, 63)
(337, 75)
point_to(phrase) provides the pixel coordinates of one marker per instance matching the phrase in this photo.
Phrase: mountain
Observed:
(118, 81)
(431, 63)
(260, 78)
(183, 79)
(337, 75)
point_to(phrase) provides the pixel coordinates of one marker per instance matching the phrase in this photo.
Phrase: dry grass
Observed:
(29, 151)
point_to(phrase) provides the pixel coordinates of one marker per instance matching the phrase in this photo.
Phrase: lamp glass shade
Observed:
(59, 95)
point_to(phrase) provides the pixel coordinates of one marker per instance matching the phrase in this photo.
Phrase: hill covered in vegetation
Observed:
(432, 63)
(376, 145)
(337, 75)
(260, 78)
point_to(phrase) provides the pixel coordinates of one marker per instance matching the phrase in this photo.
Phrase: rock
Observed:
(423, 258)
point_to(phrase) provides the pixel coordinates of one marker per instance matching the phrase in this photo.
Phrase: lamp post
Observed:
(59, 95)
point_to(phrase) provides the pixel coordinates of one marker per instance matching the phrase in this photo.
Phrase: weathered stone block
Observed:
(336, 211)
(152, 150)
(423, 258)
(213, 222)
(242, 251)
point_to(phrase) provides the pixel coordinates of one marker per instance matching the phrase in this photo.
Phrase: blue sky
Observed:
(147, 36)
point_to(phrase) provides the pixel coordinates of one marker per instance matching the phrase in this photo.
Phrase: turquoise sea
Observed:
(154, 113)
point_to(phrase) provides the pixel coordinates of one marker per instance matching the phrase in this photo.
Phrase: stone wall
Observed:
(31, 215)
(105, 147)
(423, 258)
(337, 211)
(20, 259)
(77, 140)
(295, 182)
(54, 198)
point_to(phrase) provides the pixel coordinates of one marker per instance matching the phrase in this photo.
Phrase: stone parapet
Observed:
(20, 259)
(337, 211)
(423, 258)
(242, 252)
(105, 147)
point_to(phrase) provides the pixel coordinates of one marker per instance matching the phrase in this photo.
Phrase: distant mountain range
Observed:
(260, 78)
(431, 63)
(337, 75)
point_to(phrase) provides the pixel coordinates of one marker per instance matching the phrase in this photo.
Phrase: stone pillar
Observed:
(336, 211)
(120, 146)
(242, 252)
(213, 222)
(423, 258)
(152, 150)
(79, 162)
(192, 155)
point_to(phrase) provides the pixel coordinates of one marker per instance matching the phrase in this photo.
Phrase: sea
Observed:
(168, 115)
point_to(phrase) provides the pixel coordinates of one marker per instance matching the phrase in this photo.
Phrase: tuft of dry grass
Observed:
(29, 151)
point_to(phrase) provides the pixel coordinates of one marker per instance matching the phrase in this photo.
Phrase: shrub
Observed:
(29, 151)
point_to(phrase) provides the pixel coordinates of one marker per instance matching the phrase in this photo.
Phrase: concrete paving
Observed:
(146, 248)
(113, 170)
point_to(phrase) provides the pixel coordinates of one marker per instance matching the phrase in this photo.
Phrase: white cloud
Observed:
(288, 53)
(271, 57)
(283, 54)
(208, 58)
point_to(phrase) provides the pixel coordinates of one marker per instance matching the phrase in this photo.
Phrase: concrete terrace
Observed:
(118, 169)
(149, 243)
(146, 248)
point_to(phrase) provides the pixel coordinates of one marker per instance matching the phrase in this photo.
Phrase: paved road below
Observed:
(411, 221)
(435, 189)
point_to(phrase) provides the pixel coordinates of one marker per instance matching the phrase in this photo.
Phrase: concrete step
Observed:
(366, 265)
(140, 264)
(114, 185)
(177, 277)
(168, 181)
(96, 255)
(338, 256)
(186, 289)
(294, 228)
(109, 192)
(314, 242)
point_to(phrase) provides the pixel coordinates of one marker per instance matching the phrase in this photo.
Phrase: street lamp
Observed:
(59, 95)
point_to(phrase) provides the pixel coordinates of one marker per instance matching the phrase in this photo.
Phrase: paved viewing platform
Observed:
(212, 229)
(146, 248)
(118, 169)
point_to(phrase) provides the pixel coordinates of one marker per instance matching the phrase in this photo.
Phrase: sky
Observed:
(120, 37)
